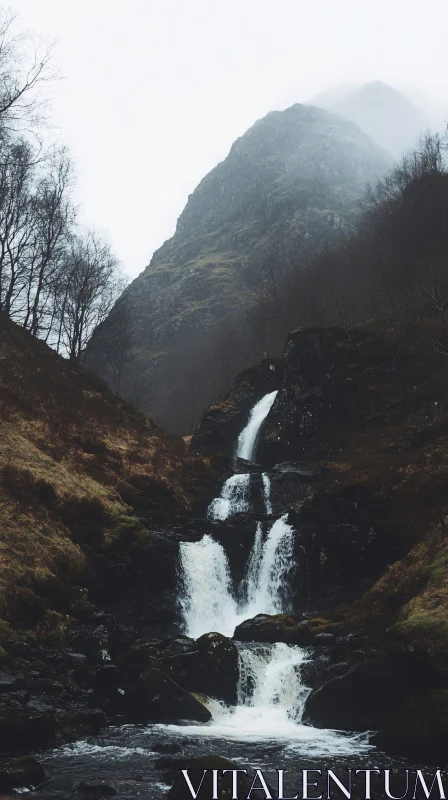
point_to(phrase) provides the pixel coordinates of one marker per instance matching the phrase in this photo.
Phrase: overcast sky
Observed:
(155, 91)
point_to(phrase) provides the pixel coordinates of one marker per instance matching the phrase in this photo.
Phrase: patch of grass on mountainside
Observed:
(80, 472)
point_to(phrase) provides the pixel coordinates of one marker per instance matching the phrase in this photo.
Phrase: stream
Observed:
(265, 729)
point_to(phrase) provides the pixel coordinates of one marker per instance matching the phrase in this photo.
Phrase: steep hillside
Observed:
(84, 482)
(290, 184)
(384, 113)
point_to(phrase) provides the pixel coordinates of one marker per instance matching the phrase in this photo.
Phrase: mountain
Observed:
(290, 184)
(387, 115)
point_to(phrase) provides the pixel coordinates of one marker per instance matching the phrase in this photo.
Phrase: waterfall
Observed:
(253, 565)
(267, 492)
(233, 498)
(271, 692)
(208, 602)
(247, 439)
(271, 700)
(270, 585)
(270, 678)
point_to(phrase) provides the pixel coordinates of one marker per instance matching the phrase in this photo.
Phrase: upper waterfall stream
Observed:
(247, 439)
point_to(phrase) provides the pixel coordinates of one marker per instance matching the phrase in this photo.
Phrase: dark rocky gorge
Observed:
(272, 629)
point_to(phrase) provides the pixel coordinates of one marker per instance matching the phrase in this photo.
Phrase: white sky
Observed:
(156, 91)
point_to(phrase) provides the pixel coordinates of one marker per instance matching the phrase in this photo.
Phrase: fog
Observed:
(154, 92)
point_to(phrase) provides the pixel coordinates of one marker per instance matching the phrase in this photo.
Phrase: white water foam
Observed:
(267, 492)
(247, 439)
(233, 498)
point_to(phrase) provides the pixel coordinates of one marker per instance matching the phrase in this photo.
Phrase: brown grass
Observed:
(66, 446)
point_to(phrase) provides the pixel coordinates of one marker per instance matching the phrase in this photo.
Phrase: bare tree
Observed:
(89, 285)
(26, 73)
(115, 345)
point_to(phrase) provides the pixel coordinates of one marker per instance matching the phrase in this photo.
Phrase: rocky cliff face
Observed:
(290, 184)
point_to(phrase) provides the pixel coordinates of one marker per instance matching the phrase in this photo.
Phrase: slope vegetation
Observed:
(82, 476)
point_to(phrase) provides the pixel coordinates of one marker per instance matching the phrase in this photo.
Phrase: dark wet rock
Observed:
(132, 661)
(347, 539)
(318, 403)
(196, 767)
(179, 645)
(218, 667)
(159, 699)
(88, 719)
(21, 773)
(167, 748)
(319, 669)
(295, 468)
(418, 727)
(7, 683)
(26, 729)
(364, 697)
(38, 707)
(277, 628)
(241, 466)
(288, 490)
(107, 677)
(97, 789)
(76, 659)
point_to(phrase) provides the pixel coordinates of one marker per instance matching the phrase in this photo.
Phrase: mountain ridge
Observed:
(290, 184)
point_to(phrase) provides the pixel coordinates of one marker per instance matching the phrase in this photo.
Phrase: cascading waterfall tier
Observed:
(233, 498)
(247, 439)
(208, 601)
(271, 700)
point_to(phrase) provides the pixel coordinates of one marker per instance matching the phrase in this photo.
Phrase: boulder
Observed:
(21, 773)
(97, 789)
(27, 728)
(219, 670)
(276, 628)
(418, 727)
(157, 698)
(362, 698)
(166, 747)
(8, 683)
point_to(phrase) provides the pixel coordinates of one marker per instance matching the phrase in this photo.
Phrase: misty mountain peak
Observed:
(289, 185)
(384, 113)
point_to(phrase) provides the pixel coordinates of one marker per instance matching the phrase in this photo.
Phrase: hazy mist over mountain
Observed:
(168, 86)
(385, 114)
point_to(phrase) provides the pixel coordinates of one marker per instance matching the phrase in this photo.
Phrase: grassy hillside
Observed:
(81, 473)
